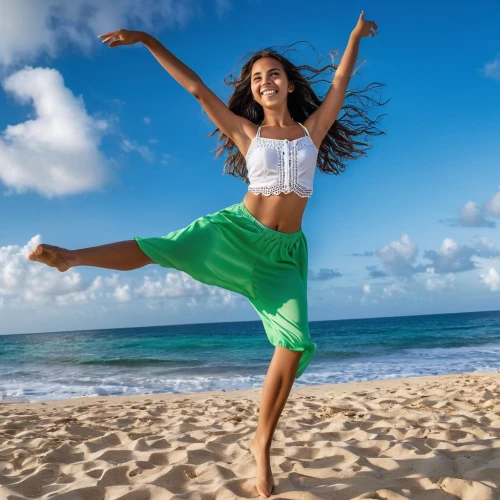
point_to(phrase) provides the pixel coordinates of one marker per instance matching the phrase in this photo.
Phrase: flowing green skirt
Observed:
(231, 249)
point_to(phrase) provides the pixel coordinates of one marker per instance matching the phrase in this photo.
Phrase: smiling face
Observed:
(268, 74)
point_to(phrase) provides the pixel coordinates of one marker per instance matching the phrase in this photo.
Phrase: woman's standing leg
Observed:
(280, 299)
(122, 256)
(275, 391)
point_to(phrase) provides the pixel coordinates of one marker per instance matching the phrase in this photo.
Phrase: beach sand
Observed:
(422, 438)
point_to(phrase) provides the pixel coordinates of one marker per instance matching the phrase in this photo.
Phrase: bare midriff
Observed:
(282, 212)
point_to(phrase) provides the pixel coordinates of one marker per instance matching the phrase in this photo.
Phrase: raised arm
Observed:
(324, 117)
(231, 124)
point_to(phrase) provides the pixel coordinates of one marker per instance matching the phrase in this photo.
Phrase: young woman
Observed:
(282, 132)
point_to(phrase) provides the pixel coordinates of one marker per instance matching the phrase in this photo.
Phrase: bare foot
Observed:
(265, 483)
(57, 257)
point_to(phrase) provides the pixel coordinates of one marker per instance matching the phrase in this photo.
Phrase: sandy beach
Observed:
(423, 438)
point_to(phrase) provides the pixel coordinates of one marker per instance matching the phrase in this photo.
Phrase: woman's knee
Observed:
(286, 358)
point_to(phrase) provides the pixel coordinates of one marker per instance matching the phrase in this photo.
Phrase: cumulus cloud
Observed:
(175, 285)
(55, 153)
(485, 248)
(491, 279)
(122, 293)
(451, 257)
(492, 206)
(396, 288)
(435, 283)
(367, 290)
(398, 256)
(469, 215)
(323, 274)
(30, 28)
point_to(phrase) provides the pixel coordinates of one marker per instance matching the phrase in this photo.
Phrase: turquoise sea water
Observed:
(230, 356)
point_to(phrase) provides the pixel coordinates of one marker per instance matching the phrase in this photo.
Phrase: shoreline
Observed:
(196, 396)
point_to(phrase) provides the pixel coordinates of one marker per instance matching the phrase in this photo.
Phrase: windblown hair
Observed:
(341, 143)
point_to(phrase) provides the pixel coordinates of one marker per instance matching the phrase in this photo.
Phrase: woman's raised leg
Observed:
(122, 256)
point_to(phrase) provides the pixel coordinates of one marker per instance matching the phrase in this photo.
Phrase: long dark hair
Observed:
(340, 144)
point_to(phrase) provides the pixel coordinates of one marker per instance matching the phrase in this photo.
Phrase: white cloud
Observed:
(367, 290)
(449, 247)
(399, 258)
(492, 206)
(471, 216)
(451, 257)
(181, 285)
(399, 255)
(178, 284)
(434, 282)
(485, 248)
(30, 28)
(491, 279)
(144, 151)
(396, 288)
(84, 296)
(147, 120)
(492, 69)
(122, 293)
(56, 153)
(112, 281)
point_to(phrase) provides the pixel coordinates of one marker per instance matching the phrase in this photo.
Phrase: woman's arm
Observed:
(321, 120)
(344, 70)
(362, 29)
(179, 71)
(232, 125)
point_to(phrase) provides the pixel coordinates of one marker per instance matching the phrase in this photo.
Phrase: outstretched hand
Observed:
(121, 37)
(365, 28)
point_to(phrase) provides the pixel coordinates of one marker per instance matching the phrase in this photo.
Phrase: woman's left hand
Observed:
(365, 28)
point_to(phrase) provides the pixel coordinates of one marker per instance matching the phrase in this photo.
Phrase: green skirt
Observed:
(231, 249)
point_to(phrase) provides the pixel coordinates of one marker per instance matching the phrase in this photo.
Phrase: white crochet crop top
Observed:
(277, 166)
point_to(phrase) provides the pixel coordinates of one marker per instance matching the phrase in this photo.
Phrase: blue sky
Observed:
(100, 145)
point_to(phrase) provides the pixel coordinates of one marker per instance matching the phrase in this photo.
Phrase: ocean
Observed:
(232, 356)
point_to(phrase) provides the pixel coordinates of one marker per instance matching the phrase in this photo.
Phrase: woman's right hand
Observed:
(121, 37)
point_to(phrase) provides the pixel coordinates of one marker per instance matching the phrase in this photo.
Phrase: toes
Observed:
(36, 252)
